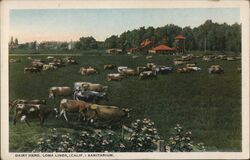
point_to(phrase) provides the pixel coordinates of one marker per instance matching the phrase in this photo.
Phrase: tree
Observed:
(16, 41)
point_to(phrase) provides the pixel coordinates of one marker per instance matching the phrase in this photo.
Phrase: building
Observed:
(164, 49)
(146, 45)
(114, 51)
(132, 50)
(180, 44)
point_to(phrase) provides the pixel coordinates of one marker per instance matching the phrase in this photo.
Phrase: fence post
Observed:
(160, 146)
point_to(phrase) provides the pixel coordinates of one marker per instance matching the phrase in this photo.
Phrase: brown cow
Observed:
(28, 111)
(24, 101)
(67, 105)
(87, 71)
(109, 66)
(59, 91)
(114, 77)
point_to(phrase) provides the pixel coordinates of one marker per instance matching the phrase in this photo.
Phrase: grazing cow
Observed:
(50, 57)
(184, 70)
(149, 57)
(24, 112)
(59, 91)
(178, 62)
(79, 85)
(206, 59)
(109, 66)
(94, 87)
(121, 68)
(129, 72)
(37, 64)
(152, 66)
(49, 67)
(90, 96)
(105, 113)
(191, 65)
(74, 106)
(31, 70)
(140, 69)
(114, 77)
(164, 70)
(57, 64)
(14, 60)
(71, 61)
(87, 71)
(24, 101)
(148, 74)
(194, 68)
(231, 59)
(215, 69)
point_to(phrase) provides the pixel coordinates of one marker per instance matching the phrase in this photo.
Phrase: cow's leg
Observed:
(60, 113)
(64, 114)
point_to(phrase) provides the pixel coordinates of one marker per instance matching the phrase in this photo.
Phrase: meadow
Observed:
(208, 105)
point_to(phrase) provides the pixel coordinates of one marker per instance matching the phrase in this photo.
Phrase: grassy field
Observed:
(208, 105)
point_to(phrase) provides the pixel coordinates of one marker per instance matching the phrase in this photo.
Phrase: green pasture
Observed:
(208, 105)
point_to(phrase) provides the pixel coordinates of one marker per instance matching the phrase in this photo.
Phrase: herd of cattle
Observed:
(86, 95)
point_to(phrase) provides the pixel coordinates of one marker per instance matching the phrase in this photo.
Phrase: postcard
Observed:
(124, 79)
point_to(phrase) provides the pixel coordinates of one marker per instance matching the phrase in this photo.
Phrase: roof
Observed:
(180, 37)
(145, 43)
(162, 47)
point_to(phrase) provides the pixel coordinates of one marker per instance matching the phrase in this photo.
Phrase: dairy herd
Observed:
(83, 97)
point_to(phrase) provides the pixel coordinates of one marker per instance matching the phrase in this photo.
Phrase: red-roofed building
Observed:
(162, 49)
(180, 44)
(145, 45)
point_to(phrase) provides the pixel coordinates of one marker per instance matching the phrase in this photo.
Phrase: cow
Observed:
(57, 60)
(31, 70)
(215, 69)
(37, 64)
(87, 71)
(191, 65)
(121, 68)
(114, 77)
(90, 96)
(184, 70)
(140, 69)
(24, 112)
(24, 101)
(206, 59)
(164, 70)
(148, 74)
(73, 106)
(71, 61)
(14, 60)
(49, 67)
(94, 87)
(152, 66)
(129, 72)
(149, 57)
(59, 91)
(50, 57)
(57, 64)
(179, 62)
(194, 68)
(109, 66)
(105, 113)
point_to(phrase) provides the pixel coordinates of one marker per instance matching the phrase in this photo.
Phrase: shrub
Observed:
(143, 137)
(181, 141)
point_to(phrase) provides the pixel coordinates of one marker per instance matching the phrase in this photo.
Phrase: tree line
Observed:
(208, 36)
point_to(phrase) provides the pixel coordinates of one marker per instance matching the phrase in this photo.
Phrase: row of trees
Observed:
(208, 36)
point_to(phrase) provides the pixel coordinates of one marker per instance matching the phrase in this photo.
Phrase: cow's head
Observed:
(126, 111)
(55, 112)
(51, 95)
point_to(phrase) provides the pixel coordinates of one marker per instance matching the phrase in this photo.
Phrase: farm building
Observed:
(162, 49)
(146, 45)
(132, 50)
(114, 51)
(180, 44)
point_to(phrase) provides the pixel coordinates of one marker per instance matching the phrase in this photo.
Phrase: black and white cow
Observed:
(90, 96)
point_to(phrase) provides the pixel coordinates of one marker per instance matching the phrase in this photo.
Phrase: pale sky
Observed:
(70, 24)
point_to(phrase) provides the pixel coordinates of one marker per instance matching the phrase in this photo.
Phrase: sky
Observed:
(71, 24)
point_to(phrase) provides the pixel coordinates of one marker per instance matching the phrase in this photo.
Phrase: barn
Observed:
(164, 49)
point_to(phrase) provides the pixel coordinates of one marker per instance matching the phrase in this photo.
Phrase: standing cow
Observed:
(59, 91)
